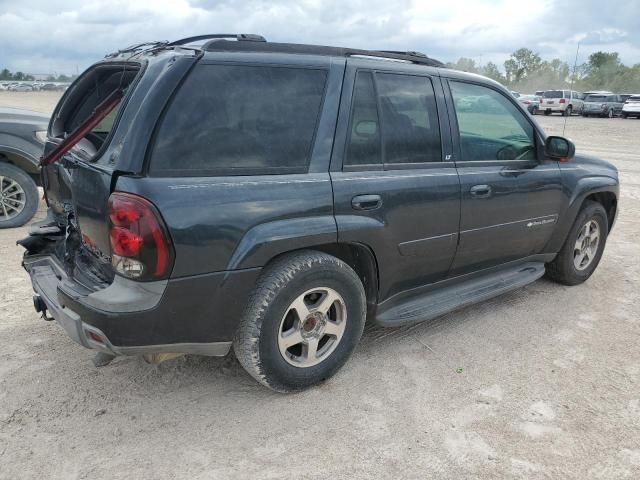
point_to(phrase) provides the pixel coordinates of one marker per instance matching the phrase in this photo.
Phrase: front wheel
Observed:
(18, 196)
(623, 115)
(583, 247)
(610, 114)
(302, 322)
(567, 112)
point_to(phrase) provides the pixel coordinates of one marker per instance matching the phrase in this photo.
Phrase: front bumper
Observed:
(195, 315)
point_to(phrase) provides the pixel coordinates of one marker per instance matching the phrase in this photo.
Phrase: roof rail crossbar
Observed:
(414, 57)
(410, 53)
(241, 37)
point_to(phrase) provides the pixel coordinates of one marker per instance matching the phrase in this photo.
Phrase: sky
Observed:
(47, 36)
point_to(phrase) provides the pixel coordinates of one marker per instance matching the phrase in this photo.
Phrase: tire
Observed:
(623, 115)
(270, 311)
(567, 112)
(19, 187)
(610, 114)
(563, 268)
(585, 115)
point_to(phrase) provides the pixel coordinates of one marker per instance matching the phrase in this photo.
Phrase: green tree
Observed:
(5, 74)
(464, 64)
(522, 64)
(492, 71)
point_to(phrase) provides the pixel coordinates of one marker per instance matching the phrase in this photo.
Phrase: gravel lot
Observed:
(543, 382)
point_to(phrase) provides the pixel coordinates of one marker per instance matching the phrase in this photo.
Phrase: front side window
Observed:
(491, 127)
(240, 120)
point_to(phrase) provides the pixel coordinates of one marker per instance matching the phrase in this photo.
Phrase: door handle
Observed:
(480, 191)
(366, 202)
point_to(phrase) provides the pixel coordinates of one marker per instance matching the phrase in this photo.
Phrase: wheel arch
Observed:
(21, 159)
(604, 190)
(358, 256)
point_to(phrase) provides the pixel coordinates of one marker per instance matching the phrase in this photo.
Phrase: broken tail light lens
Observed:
(141, 248)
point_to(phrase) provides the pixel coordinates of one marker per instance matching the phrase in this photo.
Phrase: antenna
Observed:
(573, 76)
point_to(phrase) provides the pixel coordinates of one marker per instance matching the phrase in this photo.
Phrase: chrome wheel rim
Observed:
(312, 327)
(12, 199)
(586, 245)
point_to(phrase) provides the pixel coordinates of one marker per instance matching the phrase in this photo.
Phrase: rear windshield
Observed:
(90, 90)
(240, 120)
(553, 94)
(596, 98)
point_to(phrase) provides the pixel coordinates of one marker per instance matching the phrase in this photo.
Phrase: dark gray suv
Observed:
(22, 136)
(272, 197)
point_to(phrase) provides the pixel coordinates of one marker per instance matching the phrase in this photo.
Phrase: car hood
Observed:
(16, 115)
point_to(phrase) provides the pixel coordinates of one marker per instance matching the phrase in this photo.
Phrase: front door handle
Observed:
(366, 202)
(480, 191)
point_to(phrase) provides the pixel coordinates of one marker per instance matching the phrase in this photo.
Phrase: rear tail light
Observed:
(563, 100)
(141, 248)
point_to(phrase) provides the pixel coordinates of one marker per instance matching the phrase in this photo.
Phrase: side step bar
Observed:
(438, 302)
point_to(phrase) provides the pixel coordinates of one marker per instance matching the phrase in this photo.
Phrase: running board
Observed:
(443, 300)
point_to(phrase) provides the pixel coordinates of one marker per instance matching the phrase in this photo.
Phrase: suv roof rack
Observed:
(219, 43)
(240, 37)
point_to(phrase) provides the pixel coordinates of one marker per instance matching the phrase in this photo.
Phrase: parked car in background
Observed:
(21, 87)
(515, 94)
(625, 96)
(564, 102)
(538, 93)
(530, 102)
(272, 197)
(602, 105)
(22, 135)
(631, 107)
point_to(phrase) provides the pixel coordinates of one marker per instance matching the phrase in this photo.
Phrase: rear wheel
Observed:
(302, 322)
(18, 196)
(583, 247)
(610, 113)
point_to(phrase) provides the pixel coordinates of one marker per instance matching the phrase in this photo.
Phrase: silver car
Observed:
(602, 105)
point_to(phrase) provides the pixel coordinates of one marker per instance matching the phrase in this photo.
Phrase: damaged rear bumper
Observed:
(129, 318)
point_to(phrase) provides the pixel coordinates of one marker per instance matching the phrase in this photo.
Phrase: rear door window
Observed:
(410, 128)
(240, 120)
(394, 121)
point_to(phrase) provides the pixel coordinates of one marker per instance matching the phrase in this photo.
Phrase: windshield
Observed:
(553, 94)
(596, 98)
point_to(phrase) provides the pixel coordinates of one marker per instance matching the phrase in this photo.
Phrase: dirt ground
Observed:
(543, 382)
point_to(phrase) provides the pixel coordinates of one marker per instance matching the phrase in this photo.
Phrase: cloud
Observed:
(47, 36)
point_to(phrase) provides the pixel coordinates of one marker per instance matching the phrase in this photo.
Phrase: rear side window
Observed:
(240, 120)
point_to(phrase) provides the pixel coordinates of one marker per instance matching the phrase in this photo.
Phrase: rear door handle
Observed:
(366, 202)
(480, 191)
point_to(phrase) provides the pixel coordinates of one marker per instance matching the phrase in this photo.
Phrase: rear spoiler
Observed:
(101, 111)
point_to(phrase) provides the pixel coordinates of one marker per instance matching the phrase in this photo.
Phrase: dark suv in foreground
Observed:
(271, 197)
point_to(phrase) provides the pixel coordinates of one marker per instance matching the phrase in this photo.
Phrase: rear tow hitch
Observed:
(41, 307)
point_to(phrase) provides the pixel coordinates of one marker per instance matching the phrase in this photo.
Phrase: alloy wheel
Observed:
(586, 245)
(312, 327)
(12, 199)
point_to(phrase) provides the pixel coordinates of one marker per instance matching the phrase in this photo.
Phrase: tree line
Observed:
(6, 74)
(525, 71)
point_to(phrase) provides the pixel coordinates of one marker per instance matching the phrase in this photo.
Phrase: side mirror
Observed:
(559, 148)
(366, 128)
